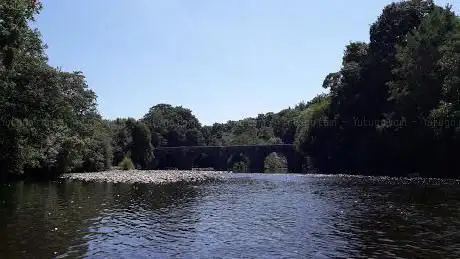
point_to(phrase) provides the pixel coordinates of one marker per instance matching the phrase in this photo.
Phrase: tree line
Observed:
(391, 109)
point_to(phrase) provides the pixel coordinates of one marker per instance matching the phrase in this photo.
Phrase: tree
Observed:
(141, 147)
(315, 135)
(48, 116)
(132, 138)
(169, 126)
(424, 94)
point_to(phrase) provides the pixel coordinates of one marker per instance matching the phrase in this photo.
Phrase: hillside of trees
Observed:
(392, 109)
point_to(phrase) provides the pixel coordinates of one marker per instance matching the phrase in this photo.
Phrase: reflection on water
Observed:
(249, 215)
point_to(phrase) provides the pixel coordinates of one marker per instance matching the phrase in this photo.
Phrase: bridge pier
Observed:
(256, 164)
(219, 161)
(295, 168)
(294, 163)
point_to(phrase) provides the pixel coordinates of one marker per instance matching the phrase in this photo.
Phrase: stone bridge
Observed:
(222, 157)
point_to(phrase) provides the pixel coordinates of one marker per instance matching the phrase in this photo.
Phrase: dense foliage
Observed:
(173, 126)
(392, 108)
(131, 138)
(394, 105)
(49, 122)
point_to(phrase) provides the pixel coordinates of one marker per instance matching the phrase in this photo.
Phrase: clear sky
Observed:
(223, 59)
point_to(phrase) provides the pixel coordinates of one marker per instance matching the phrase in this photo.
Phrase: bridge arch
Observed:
(203, 160)
(238, 162)
(276, 162)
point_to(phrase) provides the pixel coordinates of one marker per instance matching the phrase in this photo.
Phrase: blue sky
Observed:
(223, 59)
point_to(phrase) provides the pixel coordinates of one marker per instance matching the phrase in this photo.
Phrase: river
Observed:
(246, 216)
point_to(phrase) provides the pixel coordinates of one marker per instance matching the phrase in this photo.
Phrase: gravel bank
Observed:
(154, 176)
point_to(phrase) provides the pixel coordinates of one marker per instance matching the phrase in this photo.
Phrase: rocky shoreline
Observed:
(147, 176)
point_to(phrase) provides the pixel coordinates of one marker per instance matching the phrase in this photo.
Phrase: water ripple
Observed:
(254, 216)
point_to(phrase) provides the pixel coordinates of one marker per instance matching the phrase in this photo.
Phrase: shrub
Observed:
(126, 163)
(240, 167)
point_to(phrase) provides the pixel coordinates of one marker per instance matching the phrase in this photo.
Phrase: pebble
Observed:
(148, 176)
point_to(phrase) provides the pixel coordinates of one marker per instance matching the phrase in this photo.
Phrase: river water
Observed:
(246, 216)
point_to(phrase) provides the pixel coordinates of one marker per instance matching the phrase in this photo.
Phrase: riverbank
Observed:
(147, 176)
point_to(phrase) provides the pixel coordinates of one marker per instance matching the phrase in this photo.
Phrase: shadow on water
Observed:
(60, 219)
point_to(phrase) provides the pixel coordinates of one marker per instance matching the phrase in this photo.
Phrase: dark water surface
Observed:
(247, 216)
